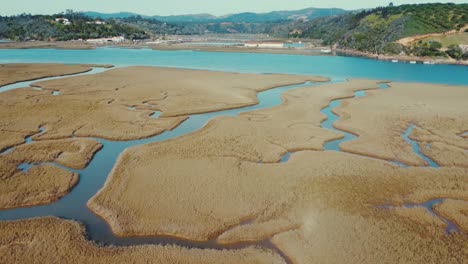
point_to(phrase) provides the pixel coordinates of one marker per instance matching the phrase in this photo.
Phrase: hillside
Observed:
(246, 17)
(76, 26)
(376, 30)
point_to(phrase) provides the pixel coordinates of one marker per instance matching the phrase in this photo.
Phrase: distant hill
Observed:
(109, 15)
(248, 17)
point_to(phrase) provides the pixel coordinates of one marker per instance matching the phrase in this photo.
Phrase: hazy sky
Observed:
(172, 7)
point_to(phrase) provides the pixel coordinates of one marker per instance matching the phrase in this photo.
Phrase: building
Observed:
(106, 40)
(464, 48)
(97, 22)
(63, 20)
(274, 45)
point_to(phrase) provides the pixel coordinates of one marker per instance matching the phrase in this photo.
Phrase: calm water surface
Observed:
(330, 66)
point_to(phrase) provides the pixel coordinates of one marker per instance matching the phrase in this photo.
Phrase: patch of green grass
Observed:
(457, 39)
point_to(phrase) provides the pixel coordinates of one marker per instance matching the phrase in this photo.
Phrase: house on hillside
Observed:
(97, 22)
(63, 20)
(274, 45)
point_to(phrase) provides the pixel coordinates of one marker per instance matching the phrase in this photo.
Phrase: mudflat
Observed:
(226, 182)
(46, 240)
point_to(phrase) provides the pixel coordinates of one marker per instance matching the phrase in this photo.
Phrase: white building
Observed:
(63, 20)
(97, 22)
(106, 40)
(274, 45)
(464, 48)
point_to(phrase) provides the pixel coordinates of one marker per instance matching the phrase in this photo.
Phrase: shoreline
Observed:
(70, 45)
(399, 58)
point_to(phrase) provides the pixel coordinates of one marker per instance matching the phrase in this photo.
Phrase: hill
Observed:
(69, 26)
(377, 30)
(247, 17)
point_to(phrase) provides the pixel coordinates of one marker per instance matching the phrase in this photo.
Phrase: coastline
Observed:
(399, 58)
(317, 51)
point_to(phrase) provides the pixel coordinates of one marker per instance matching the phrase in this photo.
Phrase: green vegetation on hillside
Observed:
(375, 30)
(40, 27)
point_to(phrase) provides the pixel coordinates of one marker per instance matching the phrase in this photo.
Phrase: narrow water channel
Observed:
(335, 146)
(26, 84)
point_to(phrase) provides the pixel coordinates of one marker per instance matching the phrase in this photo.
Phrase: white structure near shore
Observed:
(63, 20)
(274, 45)
(105, 40)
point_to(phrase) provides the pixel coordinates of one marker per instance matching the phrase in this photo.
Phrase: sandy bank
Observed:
(240, 49)
(47, 45)
(12, 73)
(51, 239)
(42, 183)
(403, 58)
(439, 113)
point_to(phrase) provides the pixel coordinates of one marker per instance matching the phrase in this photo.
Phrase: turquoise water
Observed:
(330, 66)
(156, 114)
(294, 45)
(416, 148)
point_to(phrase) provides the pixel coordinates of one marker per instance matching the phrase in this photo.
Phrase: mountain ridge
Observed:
(302, 14)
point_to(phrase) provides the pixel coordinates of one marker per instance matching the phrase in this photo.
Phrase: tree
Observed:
(465, 56)
(455, 52)
(435, 46)
(391, 4)
(393, 48)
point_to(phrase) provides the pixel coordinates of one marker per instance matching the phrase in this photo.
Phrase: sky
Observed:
(177, 7)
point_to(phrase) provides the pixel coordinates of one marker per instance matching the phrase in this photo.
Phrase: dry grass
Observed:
(98, 105)
(12, 73)
(439, 112)
(51, 240)
(42, 184)
(320, 206)
(455, 210)
(455, 39)
(212, 157)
